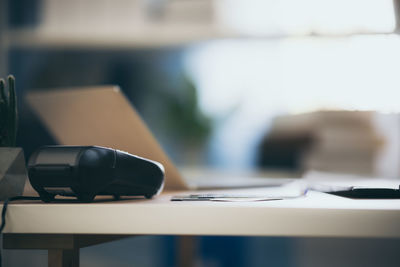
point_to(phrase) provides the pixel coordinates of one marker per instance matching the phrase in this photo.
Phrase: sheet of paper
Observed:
(240, 197)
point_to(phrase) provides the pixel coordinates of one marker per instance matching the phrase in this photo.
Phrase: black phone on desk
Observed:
(357, 192)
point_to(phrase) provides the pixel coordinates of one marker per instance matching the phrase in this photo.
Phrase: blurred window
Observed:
(287, 17)
(298, 74)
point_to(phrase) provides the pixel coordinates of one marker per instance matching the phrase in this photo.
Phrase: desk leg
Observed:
(63, 258)
(186, 251)
(63, 248)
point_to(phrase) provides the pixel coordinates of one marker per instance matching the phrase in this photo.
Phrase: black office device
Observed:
(87, 171)
(368, 193)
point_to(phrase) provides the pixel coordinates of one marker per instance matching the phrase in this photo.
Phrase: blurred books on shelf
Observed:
(105, 17)
(126, 23)
(333, 141)
(119, 23)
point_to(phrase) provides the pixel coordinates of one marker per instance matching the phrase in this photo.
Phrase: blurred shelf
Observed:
(150, 38)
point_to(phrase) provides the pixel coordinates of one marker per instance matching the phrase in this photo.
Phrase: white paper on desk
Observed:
(290, 191)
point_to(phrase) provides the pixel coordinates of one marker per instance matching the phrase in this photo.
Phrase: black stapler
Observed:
(87, 171)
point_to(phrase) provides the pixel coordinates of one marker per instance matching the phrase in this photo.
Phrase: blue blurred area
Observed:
(160, 251)
(245, 251)
(142, 76)
(23, 13)
(216, 251)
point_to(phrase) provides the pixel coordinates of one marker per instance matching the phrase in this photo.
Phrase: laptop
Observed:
(103, 116)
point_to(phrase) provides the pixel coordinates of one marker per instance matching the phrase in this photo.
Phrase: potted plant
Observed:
(187, 122)
(12, 161)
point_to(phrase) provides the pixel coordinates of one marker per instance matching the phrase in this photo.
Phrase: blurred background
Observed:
(272, 85)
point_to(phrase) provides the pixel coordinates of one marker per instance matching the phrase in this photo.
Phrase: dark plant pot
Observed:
(12, 172)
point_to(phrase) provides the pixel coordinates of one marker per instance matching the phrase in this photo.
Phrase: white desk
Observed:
(64, 227)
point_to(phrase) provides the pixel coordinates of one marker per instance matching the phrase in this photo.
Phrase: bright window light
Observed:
(288, 17)
(298, 74)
